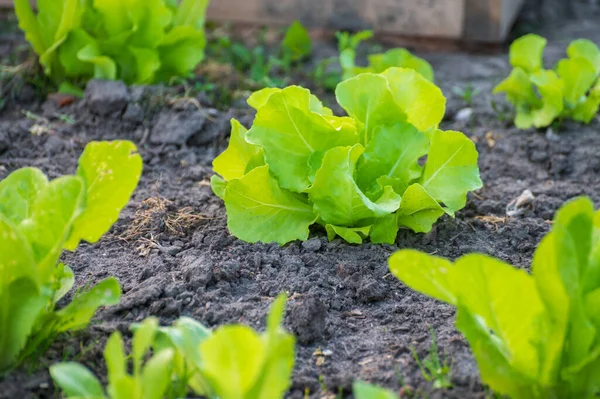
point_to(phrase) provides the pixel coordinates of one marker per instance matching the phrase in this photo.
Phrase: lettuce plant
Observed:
(40, 218)
(150, 379)
(398, 57)
(362, 390)
(233, 362)
(541, 96)
(358, 175)
(137, 41)
(533, 335)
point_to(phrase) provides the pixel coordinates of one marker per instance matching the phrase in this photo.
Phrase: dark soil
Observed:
(173, 254)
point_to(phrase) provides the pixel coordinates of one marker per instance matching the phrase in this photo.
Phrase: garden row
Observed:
(357, 176)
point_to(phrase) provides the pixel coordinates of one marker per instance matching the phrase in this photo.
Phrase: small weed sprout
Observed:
(467, 94)
(433, 368)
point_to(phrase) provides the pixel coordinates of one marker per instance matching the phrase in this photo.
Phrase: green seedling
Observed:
(542, 96)
(362, 390)
(466, 94)
(38, 220)
(549, 348)
(398, 57)
(138, 41)
(188, 356)
(357, 176)
(432, 368)
(296, 44)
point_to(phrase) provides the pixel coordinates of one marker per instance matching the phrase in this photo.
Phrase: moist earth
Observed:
(173, 255)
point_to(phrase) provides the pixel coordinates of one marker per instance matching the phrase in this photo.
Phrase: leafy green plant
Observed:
(40, 218)
(467, 93)
(296, 43)
(150, 379)
(357, 175)
(541, 96)
(362, 390)
(398, 57)
(533, 335)
(137, 41)
(233, 362)
(432, 367)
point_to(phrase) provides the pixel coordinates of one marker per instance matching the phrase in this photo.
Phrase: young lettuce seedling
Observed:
(233, 362)
(150, 379)
(541, 96)
(358, 175)
(40, 218)
(137, 41)
(533, 335)
(398, 57)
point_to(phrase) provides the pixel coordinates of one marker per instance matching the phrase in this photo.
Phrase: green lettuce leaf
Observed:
(336, 196)
(451, 169)
(290, 132)
(548, 348)
(258, 209)
(527, 52)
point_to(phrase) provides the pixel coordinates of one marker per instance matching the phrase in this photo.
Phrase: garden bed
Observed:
(173, 255)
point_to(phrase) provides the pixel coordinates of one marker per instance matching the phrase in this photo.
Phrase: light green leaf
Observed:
(290, 132)
(578, 75)
(551, 88)
(80, 311)
(76, 380)
(587, 49)
(520, 92)
(491, 290)
(362, 390)
(401, 58)
(115, 15)
(240, 157)
(22, 303)
(65, 279)
(147, 64)
(368, 99)
(143, 337)
(18, 192)
(353, 235)
(104, 66)
(393, 152)
(421, 100)
(150, 18)
(29, 24)
(259, 210)
(68, 54)
(156, 376)
(451, 170)
(527, 51)
(418, 210)
(114, 355)
(111, 171)
(260, 97)
(218, 186)
(186, 335)
(297, 41)
(336, 196)
(54, 211)
(191, 13)
(232, 360)
(385, 229)
(424, 273)
(494, 367)
(181, 51)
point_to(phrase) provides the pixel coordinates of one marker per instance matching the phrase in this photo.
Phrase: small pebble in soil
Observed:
(464, 115)
(312, 245)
